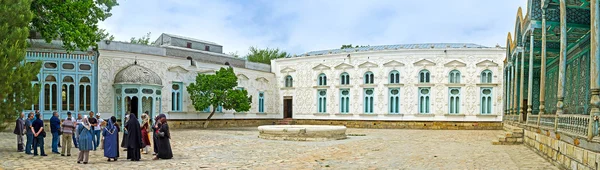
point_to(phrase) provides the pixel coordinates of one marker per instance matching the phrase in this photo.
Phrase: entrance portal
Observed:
(287, 107)
(132, 105)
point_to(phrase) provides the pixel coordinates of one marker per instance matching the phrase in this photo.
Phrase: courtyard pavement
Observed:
(240, 148)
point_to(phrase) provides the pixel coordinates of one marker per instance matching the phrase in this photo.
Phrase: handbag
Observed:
(43, 133)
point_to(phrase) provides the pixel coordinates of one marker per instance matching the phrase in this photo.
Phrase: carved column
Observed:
(594, 66)
(530, 77)
(515, 81)
(543, 69)
(562, 65)
(522, 85)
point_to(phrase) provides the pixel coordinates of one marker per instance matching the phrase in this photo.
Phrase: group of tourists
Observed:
(90, 133)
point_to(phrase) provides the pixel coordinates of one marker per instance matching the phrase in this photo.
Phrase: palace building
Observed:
(551, 74)
(440, 82)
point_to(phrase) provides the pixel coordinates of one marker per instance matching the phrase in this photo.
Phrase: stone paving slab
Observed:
(240, 148)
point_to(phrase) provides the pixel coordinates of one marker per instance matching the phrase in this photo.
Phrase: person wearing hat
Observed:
(68, 127)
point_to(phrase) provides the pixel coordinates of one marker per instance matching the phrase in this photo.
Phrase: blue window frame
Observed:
(344, 100)
(369, 93)
(289, 81)
(177, 96)
(486, 76)
(261, 102)
(322, 81)
(344, 78)
(322, 101)
(369, 78)
(454, 76)
(394, 100)
(454, 100)
(424, 103)
(394, 77)
(68, 93)
(486, 100)
(424, 76)
(220, 108)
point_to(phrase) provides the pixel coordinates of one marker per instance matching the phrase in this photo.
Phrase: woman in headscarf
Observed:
(114, 120)
(134, 142)
(164, 135)
(125, 132)
(85, 141)
(155, 128)
(111, 134)
(145, 130)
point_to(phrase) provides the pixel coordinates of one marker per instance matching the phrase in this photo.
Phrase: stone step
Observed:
(496, 142)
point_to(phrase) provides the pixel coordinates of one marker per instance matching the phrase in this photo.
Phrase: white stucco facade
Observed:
(363, 99)
(470, 62)
(179, 70)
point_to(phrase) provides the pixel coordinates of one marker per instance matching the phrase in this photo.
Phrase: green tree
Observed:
(16, 91)
(350, 46)
(234, 54)
(218, 90)
(73, 22)
(265, 55)
(142, 40)
(346, 46)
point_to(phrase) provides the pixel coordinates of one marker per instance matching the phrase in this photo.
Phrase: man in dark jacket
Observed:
(19, 131)
(55, 130)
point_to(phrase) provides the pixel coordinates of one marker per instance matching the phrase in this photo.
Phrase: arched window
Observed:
(486, 76)
(68, 94)
(454, 105)
(345, 100)
(322, 101)
(486, 100)
(35, 82)
(394, 77)
(454, 76)
(424, 99)
(261, 102)
(424, 76)
(369, 77)
(322, 80)
(394, 100)
(289, 81)
(192, 63)
(177, 96)
(50, 93)
(369, 93)
(344, 79)
(85, 94)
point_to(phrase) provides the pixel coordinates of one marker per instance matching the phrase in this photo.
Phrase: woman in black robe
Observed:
(134, 142)
(114, 120)
(155, 129)
(164, 135)
(124, 141)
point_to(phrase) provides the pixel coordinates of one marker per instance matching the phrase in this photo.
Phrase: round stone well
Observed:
(302, 132)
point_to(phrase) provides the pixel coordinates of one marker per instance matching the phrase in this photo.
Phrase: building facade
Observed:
(447, 82)
(552, 88)
(416, 82)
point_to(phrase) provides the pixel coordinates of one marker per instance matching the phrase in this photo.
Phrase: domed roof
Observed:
(136, 74)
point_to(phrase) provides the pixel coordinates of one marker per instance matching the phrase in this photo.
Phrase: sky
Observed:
(299, 26)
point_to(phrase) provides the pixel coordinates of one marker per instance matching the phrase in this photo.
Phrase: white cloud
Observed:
(299, 26)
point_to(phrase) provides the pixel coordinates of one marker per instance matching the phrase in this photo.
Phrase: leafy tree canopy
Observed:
(74, 22)
(350, 46)
(265, 55)
(218, 90)
(142, 40)
(16, 91)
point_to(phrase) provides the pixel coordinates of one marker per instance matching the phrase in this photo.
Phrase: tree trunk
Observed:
(209, 116)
